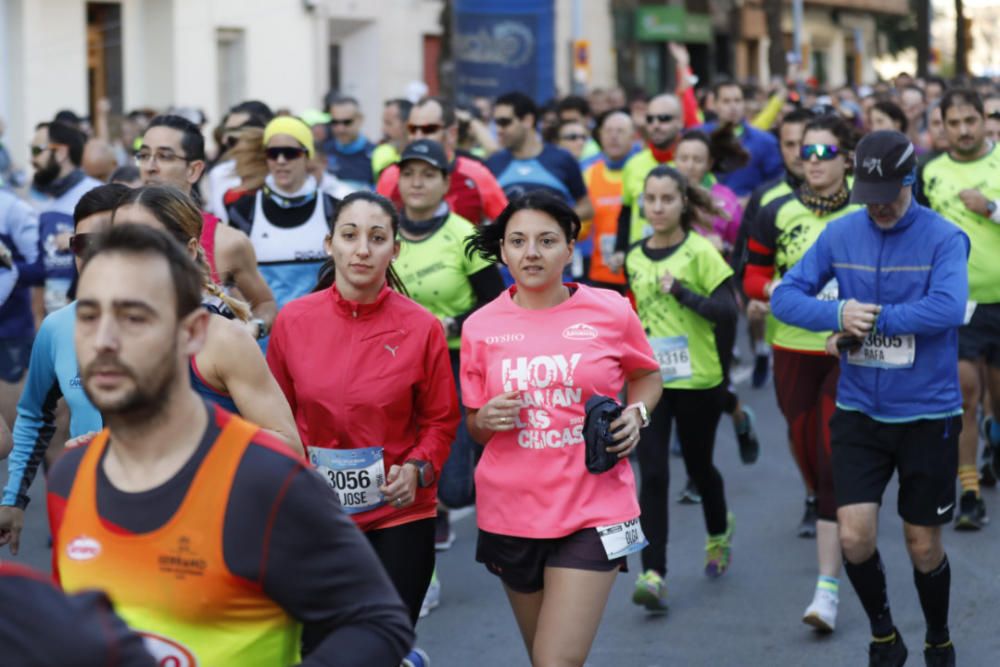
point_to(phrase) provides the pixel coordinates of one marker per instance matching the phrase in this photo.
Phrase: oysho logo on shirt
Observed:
(83, 548)
(505, 338)
(579, 331)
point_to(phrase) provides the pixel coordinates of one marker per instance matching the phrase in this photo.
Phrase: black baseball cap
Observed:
(882, 162)
(426, 150)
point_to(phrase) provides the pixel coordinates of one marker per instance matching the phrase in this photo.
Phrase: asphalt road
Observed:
(751, 616)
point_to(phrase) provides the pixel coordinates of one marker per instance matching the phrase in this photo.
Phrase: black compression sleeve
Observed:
(487, 285)
(624, 229)
(719, 307)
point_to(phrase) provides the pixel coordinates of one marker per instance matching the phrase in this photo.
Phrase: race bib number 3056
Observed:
(622, 539)
(889, 352)
(354, 474)
(673, 356)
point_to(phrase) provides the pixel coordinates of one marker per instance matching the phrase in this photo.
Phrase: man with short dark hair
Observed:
(212, 540)
(902, 278)
(58, 184)
(395, 113)
(172, 152)
(348, 152)
(961, 184)
(473, 191)
(526, 163)
(765, 158)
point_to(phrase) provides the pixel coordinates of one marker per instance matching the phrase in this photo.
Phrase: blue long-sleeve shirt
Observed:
(19, 233)
(917, 271)
(53, 373)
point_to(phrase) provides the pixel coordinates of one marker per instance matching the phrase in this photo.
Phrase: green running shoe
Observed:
(718, 550)
(650, 592)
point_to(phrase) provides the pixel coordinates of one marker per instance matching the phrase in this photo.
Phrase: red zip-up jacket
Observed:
(365, 375)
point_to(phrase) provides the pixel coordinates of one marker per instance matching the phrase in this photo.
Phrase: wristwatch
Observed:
(425, 472)
(261, 328)
(991, 210)
(643, 412)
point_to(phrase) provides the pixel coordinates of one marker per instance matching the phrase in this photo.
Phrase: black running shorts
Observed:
(520, 562)
(980, 338)
(867, 452)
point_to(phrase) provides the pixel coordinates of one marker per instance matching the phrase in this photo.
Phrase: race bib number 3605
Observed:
(889, 352)
(354, 474)
(622, 539)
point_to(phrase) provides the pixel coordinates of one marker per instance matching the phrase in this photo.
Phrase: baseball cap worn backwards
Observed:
(884, 162)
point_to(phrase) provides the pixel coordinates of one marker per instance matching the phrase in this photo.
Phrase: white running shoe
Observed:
(432, 598)
(822, 613)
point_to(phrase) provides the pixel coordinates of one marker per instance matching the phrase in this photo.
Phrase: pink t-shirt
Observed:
(532, 481)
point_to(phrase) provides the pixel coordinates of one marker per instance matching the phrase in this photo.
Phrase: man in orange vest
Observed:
(615, 134)
(213, 541)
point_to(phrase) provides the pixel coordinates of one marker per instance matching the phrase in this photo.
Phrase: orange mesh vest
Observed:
(172, 585)
(605, 189)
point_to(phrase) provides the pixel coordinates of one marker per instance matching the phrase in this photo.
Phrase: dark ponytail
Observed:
(726, 150)
(328, 271)
(697, 200)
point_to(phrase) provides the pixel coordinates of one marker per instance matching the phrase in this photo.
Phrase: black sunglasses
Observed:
(659, 118)
(503, 121)
(572, 137)
(995, 115)
(429, 128)
(79, 243)
(341, 121)
(288, 152)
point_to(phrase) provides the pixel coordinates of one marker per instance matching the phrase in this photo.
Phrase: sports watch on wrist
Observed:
(425, 472)
(261, 328)
(643, 412)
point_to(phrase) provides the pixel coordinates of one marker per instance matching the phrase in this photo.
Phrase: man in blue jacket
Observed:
(901, 270)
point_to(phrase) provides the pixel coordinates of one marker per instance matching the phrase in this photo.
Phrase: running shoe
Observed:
(761, 366)
(432, 598)
(888, 653)
(822, 613)
(690, 495)
(650, 592)
(939, 656)
(987, 473)
(444, 536)
(718, 550)
(807, 528)
(971, 512)
(746, 435)
(416, 658)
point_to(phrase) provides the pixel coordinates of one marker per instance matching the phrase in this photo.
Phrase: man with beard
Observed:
(962, 186)
(212, 540)
(59, 182)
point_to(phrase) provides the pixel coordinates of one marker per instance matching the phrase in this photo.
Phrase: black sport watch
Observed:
(425, 472)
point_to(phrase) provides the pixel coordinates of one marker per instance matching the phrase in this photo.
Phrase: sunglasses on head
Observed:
(288, 152)
(821, 151)
(79, 243)
(429, 128)
(503, 121)
(659, 118)
(572, 137)
(341, 121)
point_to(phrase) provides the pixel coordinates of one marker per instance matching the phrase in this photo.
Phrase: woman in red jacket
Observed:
(367, 374)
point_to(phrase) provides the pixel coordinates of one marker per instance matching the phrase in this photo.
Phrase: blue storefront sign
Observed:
(504, 45)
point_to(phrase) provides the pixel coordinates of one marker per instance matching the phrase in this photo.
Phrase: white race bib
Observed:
(889, 352)
(673, 356)
(970, 309)
(830, 291)
(354, 474)
(622, 539)
(607, 245)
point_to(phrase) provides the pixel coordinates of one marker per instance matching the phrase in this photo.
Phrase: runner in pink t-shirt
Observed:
(554, 533)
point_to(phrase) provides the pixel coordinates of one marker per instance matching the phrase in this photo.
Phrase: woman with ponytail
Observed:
(367, 373)
(685, 303)
(229, 370)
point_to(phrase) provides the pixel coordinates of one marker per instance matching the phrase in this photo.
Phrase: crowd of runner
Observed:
(277, 353)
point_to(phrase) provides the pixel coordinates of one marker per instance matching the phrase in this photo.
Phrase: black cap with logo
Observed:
(428, 151)
(884, 162)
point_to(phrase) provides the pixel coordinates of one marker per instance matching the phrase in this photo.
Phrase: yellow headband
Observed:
(293, 127)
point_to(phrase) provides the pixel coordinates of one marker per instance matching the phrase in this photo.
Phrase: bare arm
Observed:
(236, 258)
(584, 208)
(235, 363)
